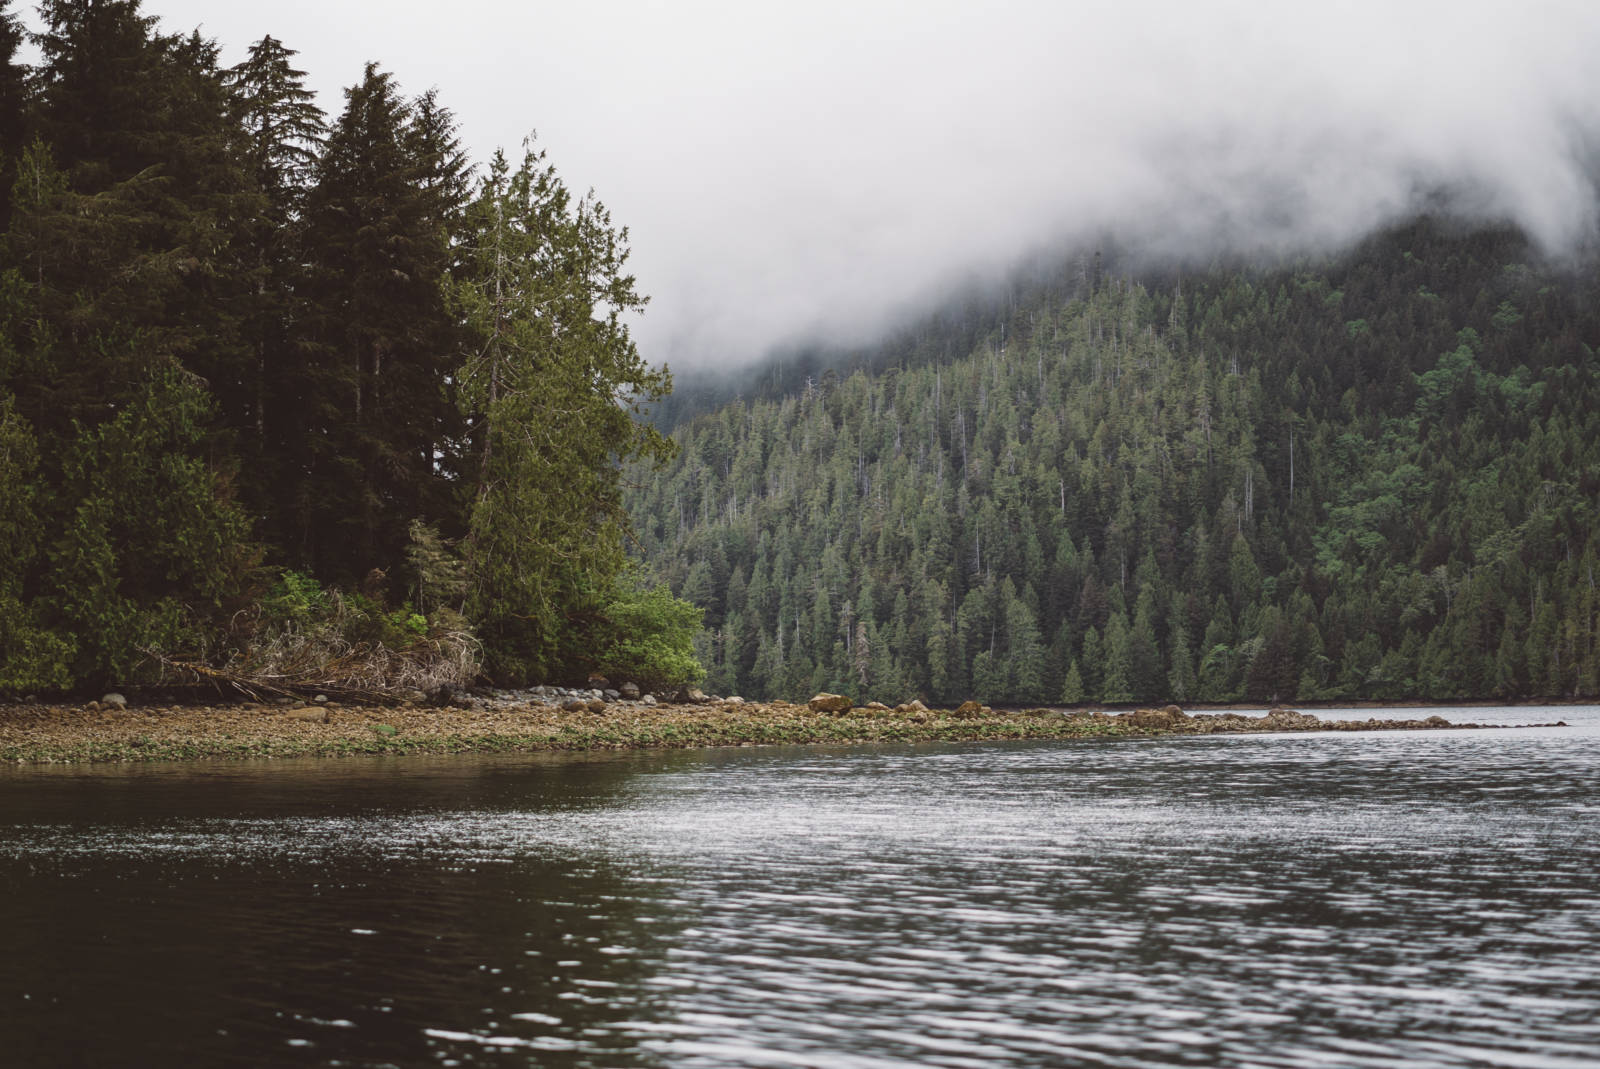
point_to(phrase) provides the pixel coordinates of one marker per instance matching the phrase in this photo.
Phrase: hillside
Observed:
(1366, 477)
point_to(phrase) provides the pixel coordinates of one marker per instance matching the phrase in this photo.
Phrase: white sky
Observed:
(816, 167)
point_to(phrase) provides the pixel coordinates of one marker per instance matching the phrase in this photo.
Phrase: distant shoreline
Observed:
(54, 734)
(1366, 703)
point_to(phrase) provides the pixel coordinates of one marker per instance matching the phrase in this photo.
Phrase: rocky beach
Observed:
(548, 718)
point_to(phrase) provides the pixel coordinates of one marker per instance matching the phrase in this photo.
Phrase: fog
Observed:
(813, 171)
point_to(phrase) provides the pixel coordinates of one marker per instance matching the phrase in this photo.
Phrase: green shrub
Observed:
(32, 657)
(295, 598)
(647, 637)
(149, 551)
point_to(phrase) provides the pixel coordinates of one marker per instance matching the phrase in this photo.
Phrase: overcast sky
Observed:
(818, 167)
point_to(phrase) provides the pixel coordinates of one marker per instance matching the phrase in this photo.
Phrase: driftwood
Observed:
(293, 663)
(260, 688)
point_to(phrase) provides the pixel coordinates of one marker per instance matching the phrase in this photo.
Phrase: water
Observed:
(1366, 899)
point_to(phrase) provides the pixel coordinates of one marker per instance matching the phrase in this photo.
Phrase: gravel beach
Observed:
(50, 734)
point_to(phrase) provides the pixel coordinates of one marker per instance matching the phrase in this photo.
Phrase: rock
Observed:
(969, 708)
(598, 682)
(1156, 719)
(876, 707)
(689, 696)
(575, 705)
(311, 714)
(613, 695)
(596, 705)
(648, 699)
(629, 691)
(830, 703)
(92, 705)
(320, 699)
(1288, 720)
(735, 700)
(114, 699)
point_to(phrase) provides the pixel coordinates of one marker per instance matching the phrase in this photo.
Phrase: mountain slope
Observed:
(1374, 476)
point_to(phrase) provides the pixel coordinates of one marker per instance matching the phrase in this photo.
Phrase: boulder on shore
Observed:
(830, 703)
(1166, 718)
(1289, 720)
(970, 708)
(629, 692)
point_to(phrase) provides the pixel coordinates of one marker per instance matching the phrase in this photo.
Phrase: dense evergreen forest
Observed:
(308, 397)
(297, 395)
(1369, 476)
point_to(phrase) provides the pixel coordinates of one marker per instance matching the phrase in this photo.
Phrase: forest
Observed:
(1371, 475)
(314, 398)
(302, 397)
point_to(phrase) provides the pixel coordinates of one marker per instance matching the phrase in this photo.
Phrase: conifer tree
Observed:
(377, 409)
(551, 382)
(278, 132)
(127, 213)
(13, 106)
(1072, 691)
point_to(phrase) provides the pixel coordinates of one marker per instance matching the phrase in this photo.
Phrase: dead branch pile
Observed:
(291, 659)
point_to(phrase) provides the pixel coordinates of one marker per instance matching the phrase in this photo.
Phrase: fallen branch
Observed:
(257, 687)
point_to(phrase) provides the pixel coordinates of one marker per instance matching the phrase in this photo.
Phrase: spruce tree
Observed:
(13, 106)
(375, 410)
(1072, 691)
(278, 132)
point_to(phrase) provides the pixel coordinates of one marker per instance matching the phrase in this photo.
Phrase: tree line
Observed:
(1374, 475)
(252, 354)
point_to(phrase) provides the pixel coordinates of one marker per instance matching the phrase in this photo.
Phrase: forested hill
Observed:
(1373, 476)
(301, 398)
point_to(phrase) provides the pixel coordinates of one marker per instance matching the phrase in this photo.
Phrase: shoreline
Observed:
(55, 734)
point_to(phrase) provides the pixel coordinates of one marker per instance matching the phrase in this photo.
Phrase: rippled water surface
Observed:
(1365, 899)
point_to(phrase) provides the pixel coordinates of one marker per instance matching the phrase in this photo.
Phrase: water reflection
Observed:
(1366, 900)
